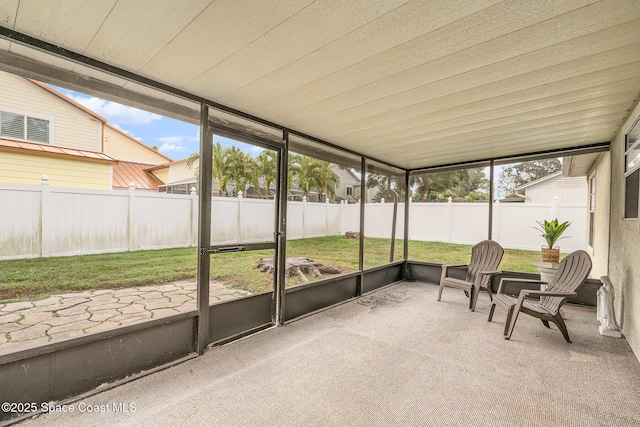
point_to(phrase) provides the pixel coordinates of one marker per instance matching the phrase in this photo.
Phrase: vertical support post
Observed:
(304, 211)
(204, 230)
(130, 226)
(491, 178)
(407, 206)
(496, 216)
(280, 255)
(45, 210)
(194, 217)
(239, 232)
(394, 220)
(326, 216)
(448, 220)
(363, 200)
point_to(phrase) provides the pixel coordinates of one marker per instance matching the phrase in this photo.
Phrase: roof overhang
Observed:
(578, 165)
(413, 83)
(31, 148)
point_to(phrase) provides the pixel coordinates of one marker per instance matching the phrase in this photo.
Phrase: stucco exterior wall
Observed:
(18, 168)
(69, 125)
(122, 147)
(600, 250)
(624, 250)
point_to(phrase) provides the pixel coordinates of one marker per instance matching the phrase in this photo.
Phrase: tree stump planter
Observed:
(298, 267)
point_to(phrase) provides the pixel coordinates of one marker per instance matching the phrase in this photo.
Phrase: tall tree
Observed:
(460, 185)
(267, 165)
(218, 170)
(513, 176)
(386, 192)
(241, 168)
(327, 181)
(312, 174)
(305, 171)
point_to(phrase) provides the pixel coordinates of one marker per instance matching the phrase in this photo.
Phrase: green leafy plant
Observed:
(552, 230)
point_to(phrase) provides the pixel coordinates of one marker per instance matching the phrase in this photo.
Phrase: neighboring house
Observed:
(348, 187)
(566, 190)
(136, 160)
(42, 132)
(177, 178)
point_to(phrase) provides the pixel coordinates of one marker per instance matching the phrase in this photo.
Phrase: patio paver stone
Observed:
(29, 324)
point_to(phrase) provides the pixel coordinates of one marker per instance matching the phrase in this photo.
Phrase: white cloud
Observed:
(116, 113)
(176, 143)
(172, 139)
(170, 146)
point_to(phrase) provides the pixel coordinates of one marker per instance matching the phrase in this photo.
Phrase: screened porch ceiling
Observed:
(413, 83)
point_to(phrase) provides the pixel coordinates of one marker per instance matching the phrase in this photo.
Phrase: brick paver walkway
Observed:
(33, 323)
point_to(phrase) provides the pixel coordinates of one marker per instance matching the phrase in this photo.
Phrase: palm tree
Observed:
(218, 170)
(266, 168)
(234, 162)
(327, 181)
(305, 172)
(241, 168)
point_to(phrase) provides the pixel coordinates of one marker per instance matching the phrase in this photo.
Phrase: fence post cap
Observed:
(240, 194)
(132, 186)
(45, 179)
(193, 191)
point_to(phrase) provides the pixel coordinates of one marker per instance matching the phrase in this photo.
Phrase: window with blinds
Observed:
(18, 126)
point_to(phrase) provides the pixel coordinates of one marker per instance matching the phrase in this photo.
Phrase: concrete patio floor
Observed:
(395, 357)
(33, 323)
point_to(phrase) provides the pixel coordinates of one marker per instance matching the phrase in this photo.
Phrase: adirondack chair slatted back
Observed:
(572, 272)
(485, 255)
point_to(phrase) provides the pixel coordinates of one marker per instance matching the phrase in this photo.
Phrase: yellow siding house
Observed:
(42, 132)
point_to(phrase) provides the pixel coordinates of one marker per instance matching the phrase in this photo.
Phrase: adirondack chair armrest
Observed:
(446, 267)
(514, 280)
(482, 274)
(490, 272)
(454, 265)
(535, 292)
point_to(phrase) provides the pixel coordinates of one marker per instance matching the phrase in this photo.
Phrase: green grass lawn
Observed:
(40, 277)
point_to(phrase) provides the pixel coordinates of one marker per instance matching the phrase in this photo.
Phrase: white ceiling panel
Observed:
(416, 83)
(310, 29)
(8, 11)
(213, 37)
(448, 51)
(135, 30)
(50, 20)
(492, 98)
(481, 65)
(397, 27)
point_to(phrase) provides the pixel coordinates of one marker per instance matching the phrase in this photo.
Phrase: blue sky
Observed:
(173, 138)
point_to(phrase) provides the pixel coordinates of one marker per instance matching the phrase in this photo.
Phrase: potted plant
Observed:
(551, 231)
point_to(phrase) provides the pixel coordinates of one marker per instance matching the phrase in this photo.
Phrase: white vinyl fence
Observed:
(46, 221)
